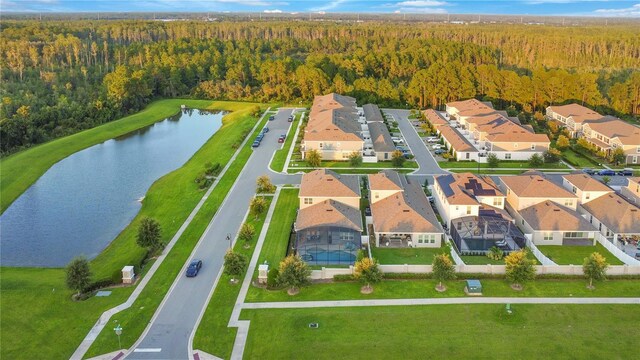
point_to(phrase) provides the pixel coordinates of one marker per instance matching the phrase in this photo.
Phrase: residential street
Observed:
(168, 335)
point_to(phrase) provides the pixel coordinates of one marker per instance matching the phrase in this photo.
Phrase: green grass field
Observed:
(414, 289)
(349, 171)
(411, 256)
(445, 331)
(136, 317)
(578, 160)
(409, 164)
(567, 255)
(213, 335)
(480, 260)
(164, 194)
(280, 156)
(274, 248)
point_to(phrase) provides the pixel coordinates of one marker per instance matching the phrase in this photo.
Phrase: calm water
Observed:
(84, 201)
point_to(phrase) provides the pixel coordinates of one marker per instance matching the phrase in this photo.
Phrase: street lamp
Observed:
(118, 330)
(229, 239)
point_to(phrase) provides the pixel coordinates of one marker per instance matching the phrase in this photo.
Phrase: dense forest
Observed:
(59, 77)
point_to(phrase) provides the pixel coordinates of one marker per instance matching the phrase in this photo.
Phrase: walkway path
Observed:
(170, 329)
(293, 143)
(437, 301)
(106, 316)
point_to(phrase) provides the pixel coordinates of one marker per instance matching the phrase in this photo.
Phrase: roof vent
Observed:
(405, 210)
(329, 209)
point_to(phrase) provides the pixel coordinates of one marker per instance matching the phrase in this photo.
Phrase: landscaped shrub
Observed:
(495, 253)
(272, 278)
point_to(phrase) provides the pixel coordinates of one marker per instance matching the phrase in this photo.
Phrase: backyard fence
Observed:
(624, 257)
(544, 260)
(571, 270)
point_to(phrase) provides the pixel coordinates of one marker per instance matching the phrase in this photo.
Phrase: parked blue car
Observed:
(265, 130)
(194, 268)
(607, 172)
(271, 118)
(255, 144)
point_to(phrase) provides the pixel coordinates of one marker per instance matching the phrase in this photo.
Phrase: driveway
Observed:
(168, 334)
(428, 165)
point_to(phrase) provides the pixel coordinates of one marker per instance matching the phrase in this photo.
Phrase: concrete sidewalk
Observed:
(438, 301)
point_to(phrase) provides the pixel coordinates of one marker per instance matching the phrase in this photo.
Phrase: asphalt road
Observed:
(168, 336)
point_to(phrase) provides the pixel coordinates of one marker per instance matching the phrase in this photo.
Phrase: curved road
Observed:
(167, 336)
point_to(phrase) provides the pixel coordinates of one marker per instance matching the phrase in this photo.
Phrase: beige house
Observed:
(476, 130)
(610, 133)
(435, 118)
(333, 128)
(328, 226)
(571, 116)
(531, 189)
(551, 224)
(632, 190)
(585, 187)
(320, 185)
(463, 194)
(613, 216)
(402, 215)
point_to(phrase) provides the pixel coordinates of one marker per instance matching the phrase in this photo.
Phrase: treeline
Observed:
(62, 77)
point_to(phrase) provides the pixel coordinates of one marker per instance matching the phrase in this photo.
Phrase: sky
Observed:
(600, 8)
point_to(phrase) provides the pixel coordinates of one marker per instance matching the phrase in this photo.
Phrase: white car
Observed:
(397, 140)
(432, 139)
(437, 146)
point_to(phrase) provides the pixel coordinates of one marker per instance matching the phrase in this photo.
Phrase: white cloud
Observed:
(421, 3)
(274, 11)
(329, 6)
(422, 10)
(633, 11)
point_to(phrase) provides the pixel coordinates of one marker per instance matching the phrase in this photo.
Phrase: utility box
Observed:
(128, 276)
(473, 288)
(263, 273)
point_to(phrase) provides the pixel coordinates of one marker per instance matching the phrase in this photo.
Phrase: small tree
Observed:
(293, 273)
(536, 161)
(562, 142)
(397, 158)
(355, 159)
(247, 232)
(443, 270)
(234, 264)
(584, 144)
(368, 272)
(606, 180)
(519, 268)
(149, 234)
(618, 156)
(595, 268)
(492, 160)
(552, 155)
(257, 206)
(264, 185)
(313, 158)
(78, 274)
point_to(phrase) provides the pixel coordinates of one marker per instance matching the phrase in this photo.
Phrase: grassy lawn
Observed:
(36, 305)
(577, 159)
(349, 171)
(274, 248)
(411, 256)
(414, 289)
(280, 156)
(213, 335)
(566, 255)
(437, 331)
(135, 318)
(503, 164)
(409, 164)
(480, 260)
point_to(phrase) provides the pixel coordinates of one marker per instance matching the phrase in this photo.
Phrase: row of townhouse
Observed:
(337, 128)
(482, 214)
(473, 129)
(329, 223)
(607, 133)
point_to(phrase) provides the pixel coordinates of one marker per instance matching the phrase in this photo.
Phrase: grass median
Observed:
(280, 156)
(453, 331)
(137, 317)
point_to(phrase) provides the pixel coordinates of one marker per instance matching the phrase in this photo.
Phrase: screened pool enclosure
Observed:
(475, 235)
(327, 245)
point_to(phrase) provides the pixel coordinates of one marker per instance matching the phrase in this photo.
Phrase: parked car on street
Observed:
(281, 138)
(607, 172)
(626, 172)
(194, 268)
(437, 146)
(260, 137)
(432, 139)
(290, 119)
(589, 171)
(255, 144)
(265, 130)
(271, 118)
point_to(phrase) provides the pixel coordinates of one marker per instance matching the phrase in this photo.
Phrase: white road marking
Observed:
(147, 350)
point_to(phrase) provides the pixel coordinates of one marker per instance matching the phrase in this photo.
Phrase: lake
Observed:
(85, 200)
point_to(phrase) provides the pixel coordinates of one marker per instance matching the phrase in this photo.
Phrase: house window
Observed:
(456, 208)
(576, 235)
(573, 188)
(515, 145)
(635, 160)
(522, 221)
(320, 145)
(587, 196)
(497, 201)
(548, 236)
(638, 149)
(591, 219)
(568, 202)
(386, 156)
(308, 201)
(533, 146)
(507, 156)
(376, 195)
(468, 210)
